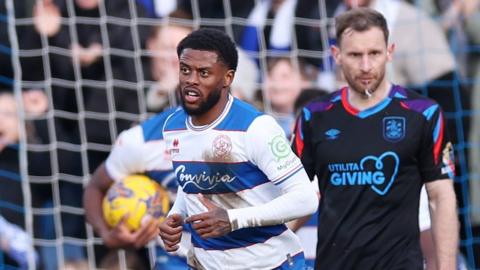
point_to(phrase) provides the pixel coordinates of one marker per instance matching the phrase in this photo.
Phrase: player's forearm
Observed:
(299, 200)
(93, 197)
(445, 228)
(92, 203)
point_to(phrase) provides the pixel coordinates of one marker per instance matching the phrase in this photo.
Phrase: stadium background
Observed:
(42, 174)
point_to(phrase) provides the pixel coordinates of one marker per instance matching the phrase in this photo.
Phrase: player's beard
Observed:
(357, 86)
(205, 105)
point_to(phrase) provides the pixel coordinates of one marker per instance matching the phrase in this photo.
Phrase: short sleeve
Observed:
(131, 155)
(436, 156)
(301, 142)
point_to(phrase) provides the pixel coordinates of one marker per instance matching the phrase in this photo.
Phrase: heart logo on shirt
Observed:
(377, 164)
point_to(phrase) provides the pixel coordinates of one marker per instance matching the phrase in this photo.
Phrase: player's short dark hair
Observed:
(360, 19)
(208, 39)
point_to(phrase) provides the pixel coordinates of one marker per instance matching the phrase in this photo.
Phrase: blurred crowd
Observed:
(75, 73)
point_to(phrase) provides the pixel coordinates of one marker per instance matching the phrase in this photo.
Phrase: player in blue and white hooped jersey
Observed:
(239, 180)
(137, 150)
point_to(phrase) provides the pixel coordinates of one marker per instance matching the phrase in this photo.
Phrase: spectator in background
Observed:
(277, 23)
(164, 69)
(283, 84)
(220, 13)
(9, 133)
(93, 72)
(17, 244)
(245, 83)
(158, 8)
(14, 240)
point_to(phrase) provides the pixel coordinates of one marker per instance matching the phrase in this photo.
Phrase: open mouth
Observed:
(191, 95)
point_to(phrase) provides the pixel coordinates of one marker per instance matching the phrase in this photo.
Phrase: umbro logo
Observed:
(332, 134)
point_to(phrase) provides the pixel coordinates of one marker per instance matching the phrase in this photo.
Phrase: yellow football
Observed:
(136, 195)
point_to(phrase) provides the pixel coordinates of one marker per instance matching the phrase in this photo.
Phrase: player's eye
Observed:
(204, 73)
(184, 70)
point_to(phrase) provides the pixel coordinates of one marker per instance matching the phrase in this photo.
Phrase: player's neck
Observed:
(210, 116)
(362, 101)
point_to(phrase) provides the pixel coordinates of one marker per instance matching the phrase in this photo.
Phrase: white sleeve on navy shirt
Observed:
(131, 154)
(270, 151)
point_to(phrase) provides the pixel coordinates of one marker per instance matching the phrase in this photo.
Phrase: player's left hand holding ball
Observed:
(213, 223)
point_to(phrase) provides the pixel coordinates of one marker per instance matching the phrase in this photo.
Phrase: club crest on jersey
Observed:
(222, 146)
(393, 128)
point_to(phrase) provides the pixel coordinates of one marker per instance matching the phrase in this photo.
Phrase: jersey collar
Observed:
(367, 112)
(219, 119)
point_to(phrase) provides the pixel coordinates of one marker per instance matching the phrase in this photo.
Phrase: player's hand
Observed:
(121, 236)
(148, 231)
(171, 232)
(213, 223)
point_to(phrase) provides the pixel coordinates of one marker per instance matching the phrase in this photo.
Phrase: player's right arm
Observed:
(130, 155)
(172, 227)
(269, 150)
(92, 201)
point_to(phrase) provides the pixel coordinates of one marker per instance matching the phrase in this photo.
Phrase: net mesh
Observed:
(89, 103)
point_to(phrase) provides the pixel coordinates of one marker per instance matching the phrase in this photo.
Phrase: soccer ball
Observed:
(136, 195)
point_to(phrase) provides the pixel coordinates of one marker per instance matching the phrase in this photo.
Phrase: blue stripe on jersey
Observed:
(239, 238)
(399, 95)
(337, 96)
(436, 131)
(307, 115)
(295, 262)
(164, 178)
(240, 116)
(428, 113)
(214, 178)
(371, 111)
(288, 175)
(177, 121)
(152, 128)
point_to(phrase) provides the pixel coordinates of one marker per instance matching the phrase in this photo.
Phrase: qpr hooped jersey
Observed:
(236, 162)
(371, 165)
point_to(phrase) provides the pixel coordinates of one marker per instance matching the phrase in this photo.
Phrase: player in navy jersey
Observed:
(239, 181)
(372, 145)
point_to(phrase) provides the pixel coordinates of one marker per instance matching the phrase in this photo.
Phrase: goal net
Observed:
(80, 75)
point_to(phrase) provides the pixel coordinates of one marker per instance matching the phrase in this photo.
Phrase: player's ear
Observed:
(390, 50)
(228, 78)
(336, 54)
